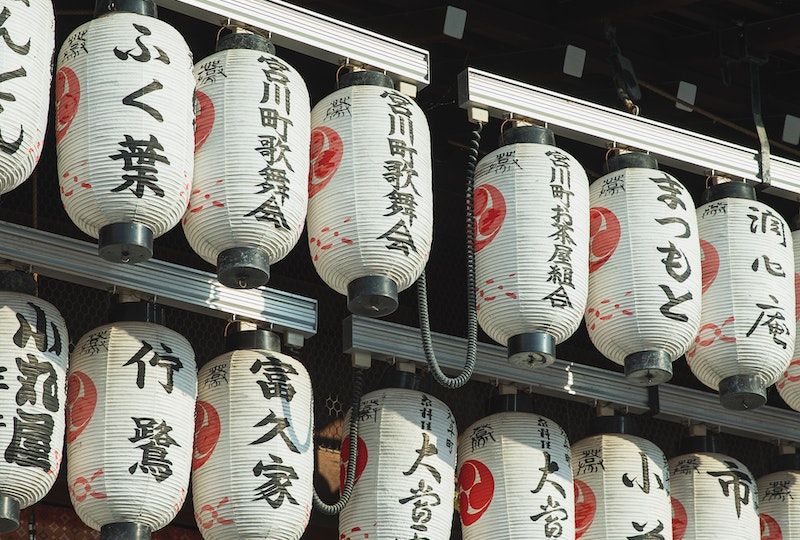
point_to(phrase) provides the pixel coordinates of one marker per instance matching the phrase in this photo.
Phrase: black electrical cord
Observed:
(350, 478)
(472, 312)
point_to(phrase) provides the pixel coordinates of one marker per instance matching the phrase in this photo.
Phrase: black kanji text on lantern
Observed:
(154, 460)
(163, 359)
(560, 270)
(11, 147)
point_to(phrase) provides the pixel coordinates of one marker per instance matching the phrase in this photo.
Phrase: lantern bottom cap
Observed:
(243, 268)
(125, 531)
(372, 296)
(126, 242)
(9, 514)
(532, 349)
(648, 368)
(742, 392)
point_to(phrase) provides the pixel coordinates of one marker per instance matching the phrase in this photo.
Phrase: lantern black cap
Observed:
(141, 7)
(372, 296)
(648, 368)
(137, 312)
(365, 78)
(254, 42)
(17, 281)
(785, 462)
(630, 160)
(693, 444)
(125, 531)
(516, 402)
(128, 242)
(243, 268)
(9, 514)
(742, 392)
(527, 134)
(402, 379)
(533, 349)
(252, 340)
(620, 424)
(732, 190)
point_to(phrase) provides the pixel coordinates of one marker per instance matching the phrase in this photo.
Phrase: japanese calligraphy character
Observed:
(276, 373)
(339, 108)
(428, 449)
(773, 268)
(424, 498)
(734, 483)
(274, 149)
(144, 53)
(280, 427)
(30, 371)
(215, 377)
(400, 174)
(398, 147)
(209, 71)
(271, 118)
(561, 255)
(653, 534)
(402, 203)
(19, 49)
(30, 443)
(778, 490)
(279, 479)
(76, 45)
(562, 223)
(271, 212)
(481, 435)
(549, 467)
(645, 484)
(560, 276)
(768, 222)
(398, 103)
(131, 98)
(154, 452)
(3, 386)
(591, 461)
(25, 332)
(560, 171)
(166, 360)
(140, 157)
(714, 208)
(674, 261)
(559, 298)
(274, 181)
(672, 302)
(775, 322)
(399, 238)
(679, 221)
(687, 466)
(95, 342)
(612, 184)
(12, 146)
(672, 190)
(553, 515)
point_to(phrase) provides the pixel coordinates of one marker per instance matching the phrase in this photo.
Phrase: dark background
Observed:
(698, 41)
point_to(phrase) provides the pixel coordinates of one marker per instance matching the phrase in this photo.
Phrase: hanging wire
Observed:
(350, 478)
(472, 313)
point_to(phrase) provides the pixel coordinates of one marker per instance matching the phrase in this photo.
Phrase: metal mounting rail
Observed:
(314, 34)
(567, 380)
(598, 125)
(193, 290)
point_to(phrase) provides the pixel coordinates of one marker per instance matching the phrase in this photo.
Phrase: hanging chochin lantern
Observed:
(254, 442)
(370, 198)
(789, 384)
(132, 386)
(778, 496)
(25, 63)
(125, 127)
(644, 268)
(621, 484)
(532, 244)
(250, 192)
(405, 468)
(33, 368)
(514, 475)
(713, 495)
(746, 338)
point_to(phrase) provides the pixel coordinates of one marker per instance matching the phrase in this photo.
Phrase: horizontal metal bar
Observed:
(568, 380)
(598, 125)
(314, 34)
(77, 262)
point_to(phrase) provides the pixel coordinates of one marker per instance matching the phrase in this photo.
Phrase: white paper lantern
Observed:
(26, 52)
(254, 447)
(788, 386)
(405, 469)
(746, 338)
(125, 130)
(779, 505)
(250, 189)
(33, 372)
(515, 480)
(713, 496)
(532, 245)
(129, 450)
(621, 489)
(644, 268)
(370, 206)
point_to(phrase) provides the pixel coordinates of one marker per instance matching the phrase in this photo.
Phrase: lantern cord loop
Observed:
(472, 313)
(352, 457)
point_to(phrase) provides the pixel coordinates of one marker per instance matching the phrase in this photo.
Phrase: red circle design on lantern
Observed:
(475, 491)
(680, 520)
(81, 401)
(490, 213)
(605, 232)
(361, 460)
(327, 150)
(207, 428)
(770, 530)
(709, 264)
(204, 118)
(585, 507)
(68, 96)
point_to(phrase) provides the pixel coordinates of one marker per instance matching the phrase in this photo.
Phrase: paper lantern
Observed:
(644, 268)
(125, 128)
(370, 200)
(532, 244)
(132, 387)
(779, 500)
(250, 189)
(406, 467)
(788, 386)
(713, 496)
(514, 478)
(33, 372)
(621, 486)
(26, 53)
(746, 338)
(254, 442)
